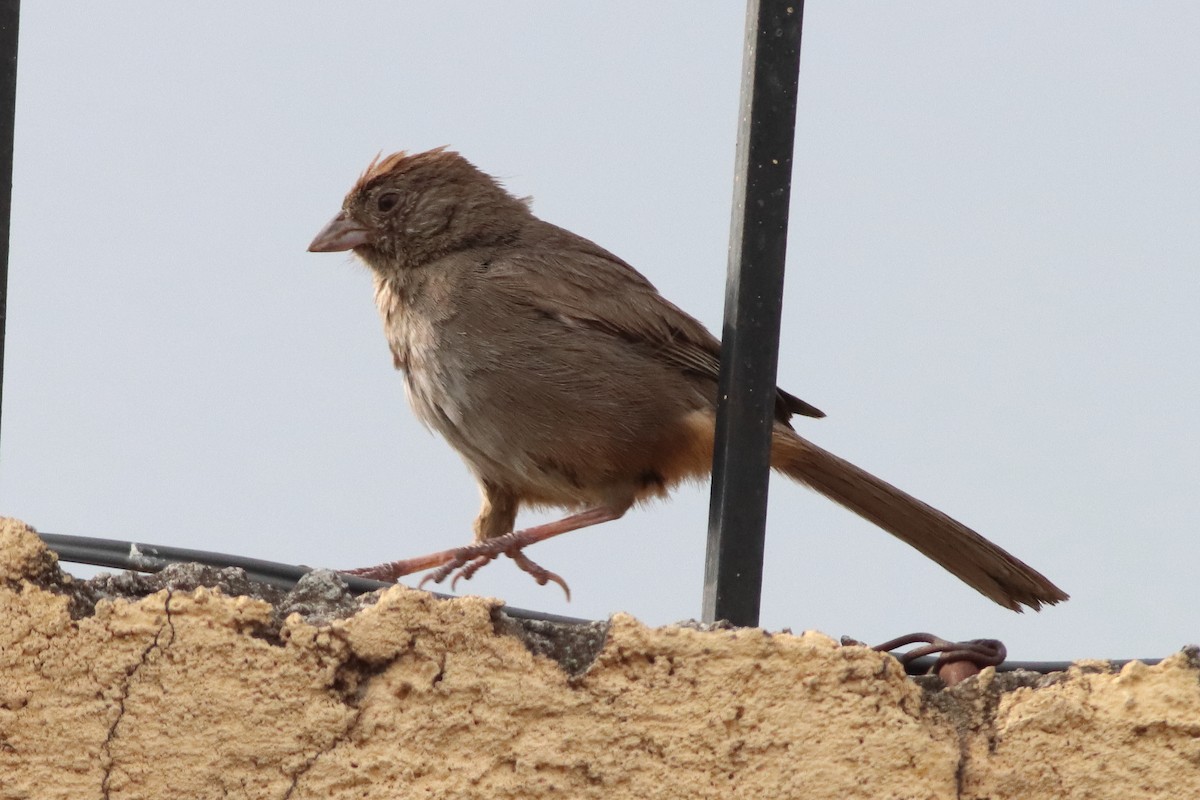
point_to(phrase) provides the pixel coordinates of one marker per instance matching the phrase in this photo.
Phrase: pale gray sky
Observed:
(993, 286)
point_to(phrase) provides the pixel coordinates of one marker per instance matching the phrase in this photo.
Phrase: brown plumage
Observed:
(565, 379)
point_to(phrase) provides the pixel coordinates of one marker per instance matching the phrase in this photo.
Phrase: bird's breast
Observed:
(404, 307)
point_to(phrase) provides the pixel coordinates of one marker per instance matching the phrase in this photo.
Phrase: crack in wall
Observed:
(971, 711)
(106, 756)
(350, 682)
(334, 742)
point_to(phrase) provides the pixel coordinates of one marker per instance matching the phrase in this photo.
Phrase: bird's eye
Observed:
(387, 201)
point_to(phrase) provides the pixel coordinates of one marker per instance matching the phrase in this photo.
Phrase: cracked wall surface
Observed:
(201, 692)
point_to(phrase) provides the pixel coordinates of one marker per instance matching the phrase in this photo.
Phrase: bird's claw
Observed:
(539, 573)
(470, 559)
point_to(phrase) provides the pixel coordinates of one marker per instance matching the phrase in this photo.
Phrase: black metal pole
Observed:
(753, 303)
(10, 16)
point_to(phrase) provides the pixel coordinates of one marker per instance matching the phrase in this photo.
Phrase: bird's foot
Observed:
(466, 561)
(463, 562)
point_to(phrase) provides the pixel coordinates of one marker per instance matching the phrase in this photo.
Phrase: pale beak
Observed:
(342, 233)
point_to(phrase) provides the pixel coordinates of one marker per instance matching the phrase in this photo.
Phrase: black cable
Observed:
(140, 557)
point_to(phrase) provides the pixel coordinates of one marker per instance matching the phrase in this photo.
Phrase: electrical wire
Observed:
(142, 557)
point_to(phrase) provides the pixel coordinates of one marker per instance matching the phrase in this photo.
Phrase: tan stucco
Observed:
(191, 693)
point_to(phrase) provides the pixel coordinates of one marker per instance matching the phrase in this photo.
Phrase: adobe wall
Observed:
(190, 692)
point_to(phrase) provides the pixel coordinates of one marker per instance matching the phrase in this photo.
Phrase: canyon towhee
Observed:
(563, 378)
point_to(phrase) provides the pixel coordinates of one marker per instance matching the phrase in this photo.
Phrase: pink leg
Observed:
(466, 561)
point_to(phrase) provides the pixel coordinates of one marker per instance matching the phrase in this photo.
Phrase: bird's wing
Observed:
(581, 283)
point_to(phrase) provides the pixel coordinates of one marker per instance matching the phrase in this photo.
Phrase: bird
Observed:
(564, 379)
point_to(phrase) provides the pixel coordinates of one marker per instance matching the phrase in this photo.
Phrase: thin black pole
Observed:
(10, 16)
(753, 304)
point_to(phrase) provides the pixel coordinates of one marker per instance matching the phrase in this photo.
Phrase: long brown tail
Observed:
(975, 560)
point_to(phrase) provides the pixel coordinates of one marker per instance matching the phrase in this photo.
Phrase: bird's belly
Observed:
(490, 440)
(555, 447)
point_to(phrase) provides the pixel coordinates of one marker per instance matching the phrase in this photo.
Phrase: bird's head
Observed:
(407, 210)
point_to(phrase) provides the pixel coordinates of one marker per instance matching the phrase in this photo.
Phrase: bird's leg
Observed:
(390, 571)
(468, 560)
(494, 536)
(496, 517)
